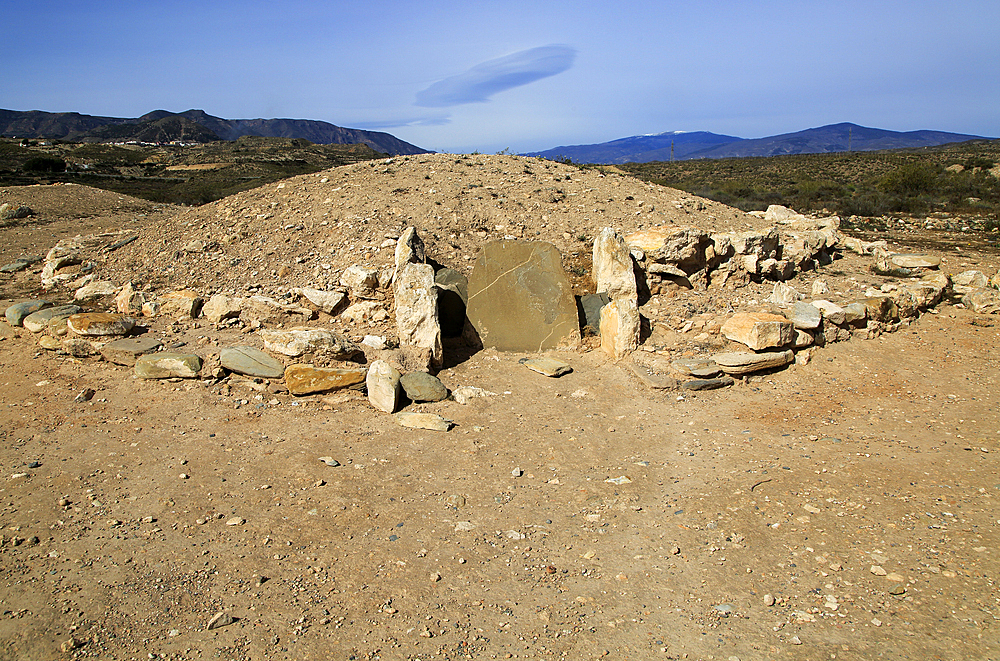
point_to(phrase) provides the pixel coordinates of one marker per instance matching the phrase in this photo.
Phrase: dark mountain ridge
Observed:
(702, 144)
(164, 126)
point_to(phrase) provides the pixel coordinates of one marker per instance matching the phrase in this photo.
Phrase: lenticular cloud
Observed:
(484, 80)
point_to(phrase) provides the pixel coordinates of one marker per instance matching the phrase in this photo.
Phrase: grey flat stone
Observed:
(127, 351)
(912, 261)
(740, 363)
(16, 313)
(422, 387)
(251, 362)
(36, 322)
(707, 384)
(700, 367)
(20, 264)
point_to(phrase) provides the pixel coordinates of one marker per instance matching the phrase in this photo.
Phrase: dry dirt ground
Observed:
(842, 509)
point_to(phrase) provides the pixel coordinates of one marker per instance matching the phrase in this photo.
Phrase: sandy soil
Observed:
(841, 509)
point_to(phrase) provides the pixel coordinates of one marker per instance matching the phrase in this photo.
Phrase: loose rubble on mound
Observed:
(395, 303)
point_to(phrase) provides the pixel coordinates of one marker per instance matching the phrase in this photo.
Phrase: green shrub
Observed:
(911, 179)
(44, 164)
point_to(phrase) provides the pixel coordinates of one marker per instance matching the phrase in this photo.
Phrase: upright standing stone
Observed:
(409, 250)
(416, 310)
(620, 326)
(383, 386)
(520, 299)
(613, 271)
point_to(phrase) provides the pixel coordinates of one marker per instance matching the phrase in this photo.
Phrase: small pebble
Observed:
(768, 600)
(220, 620)
(235, 521)
(329, 461)
(184, 476)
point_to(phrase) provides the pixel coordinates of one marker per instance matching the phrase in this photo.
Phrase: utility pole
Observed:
(850, 134)
(671, 150)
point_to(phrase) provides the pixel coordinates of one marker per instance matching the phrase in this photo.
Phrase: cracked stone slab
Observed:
(520, 298)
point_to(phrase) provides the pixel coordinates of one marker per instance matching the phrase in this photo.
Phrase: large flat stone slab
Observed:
(904, 265)
(251, 362)
(520, 298)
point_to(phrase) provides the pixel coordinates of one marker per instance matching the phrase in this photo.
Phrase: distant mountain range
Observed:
(190, 126)
(702, 144)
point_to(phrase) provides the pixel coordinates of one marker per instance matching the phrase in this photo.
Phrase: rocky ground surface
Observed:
(844, 508)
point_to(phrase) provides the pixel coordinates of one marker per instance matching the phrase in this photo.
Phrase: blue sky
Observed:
(463, 76)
